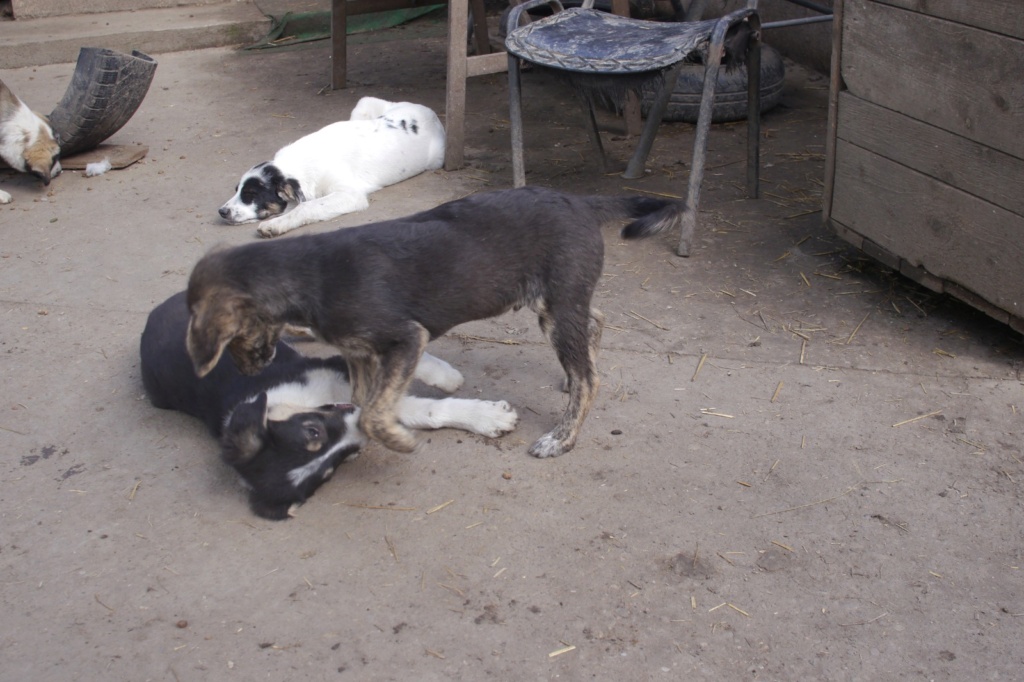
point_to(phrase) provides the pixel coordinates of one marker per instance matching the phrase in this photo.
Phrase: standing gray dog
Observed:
(380, 292)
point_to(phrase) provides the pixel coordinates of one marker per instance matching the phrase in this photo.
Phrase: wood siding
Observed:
(927, 165)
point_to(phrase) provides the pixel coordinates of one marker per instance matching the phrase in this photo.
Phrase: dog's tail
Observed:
(652, 216)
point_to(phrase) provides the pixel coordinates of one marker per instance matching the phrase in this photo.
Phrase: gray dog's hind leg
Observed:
(579, 359)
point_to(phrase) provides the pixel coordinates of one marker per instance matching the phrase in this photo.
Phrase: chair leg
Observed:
(700, 146)
(461, 67)
(481, 40)
(339, 56)
(754, 119)
(515, 117)
(635, 169)
(455, 86)
(595, 136)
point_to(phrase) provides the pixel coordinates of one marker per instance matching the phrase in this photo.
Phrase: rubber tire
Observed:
(105, 91)
(730, 102)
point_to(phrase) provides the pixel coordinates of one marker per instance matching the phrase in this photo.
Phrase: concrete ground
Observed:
(799, 466)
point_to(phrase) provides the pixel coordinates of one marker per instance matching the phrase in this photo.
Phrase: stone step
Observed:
(57, 39)
(34, 9)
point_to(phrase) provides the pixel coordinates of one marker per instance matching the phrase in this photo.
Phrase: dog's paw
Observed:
(438, 373)
(449, 382)
(494, 419)
(5, 198)
(271, 228)
(548, 446)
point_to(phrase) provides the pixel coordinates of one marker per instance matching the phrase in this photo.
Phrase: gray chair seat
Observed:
(590, 41)
(593, 48)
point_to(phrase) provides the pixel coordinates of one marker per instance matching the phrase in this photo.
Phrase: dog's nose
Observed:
(224, 212)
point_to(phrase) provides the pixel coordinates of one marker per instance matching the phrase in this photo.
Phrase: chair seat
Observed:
(590, 41)
(599, 50)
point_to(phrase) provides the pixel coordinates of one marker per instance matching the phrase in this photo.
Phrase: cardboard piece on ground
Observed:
(119, 155)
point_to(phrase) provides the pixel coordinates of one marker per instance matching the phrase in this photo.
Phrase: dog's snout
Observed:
(224, 212)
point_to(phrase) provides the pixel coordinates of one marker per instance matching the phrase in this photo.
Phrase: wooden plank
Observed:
(978, 302)
(949, 233)
(460, 68)
(481, 65)
(481, 39)
(339, 44)
(955, 77)
(974, 168)
(999, 16)
(455, 90)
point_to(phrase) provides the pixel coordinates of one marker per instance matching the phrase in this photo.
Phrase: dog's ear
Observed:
(216, 320)
(40, 161)
(290, 191)
(245, 431)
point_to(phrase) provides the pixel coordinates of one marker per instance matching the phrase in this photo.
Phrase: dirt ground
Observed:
(800, 466)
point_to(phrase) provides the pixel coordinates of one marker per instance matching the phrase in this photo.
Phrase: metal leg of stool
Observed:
(595, 135)
(754, 119)
(515, 116)
(700, 145)
(635, 169)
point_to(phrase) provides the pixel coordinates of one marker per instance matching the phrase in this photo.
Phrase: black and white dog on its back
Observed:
(334, 170)
(285, 430)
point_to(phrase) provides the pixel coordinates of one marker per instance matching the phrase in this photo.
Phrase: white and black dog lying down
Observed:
(287, 428)
(334, 170)
(380, 292)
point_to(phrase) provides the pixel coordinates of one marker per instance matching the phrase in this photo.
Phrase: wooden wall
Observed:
(926, 167)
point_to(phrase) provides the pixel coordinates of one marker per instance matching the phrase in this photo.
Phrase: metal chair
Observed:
(600, 51)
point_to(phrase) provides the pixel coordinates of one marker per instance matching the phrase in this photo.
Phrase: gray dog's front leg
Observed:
(379, 419)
